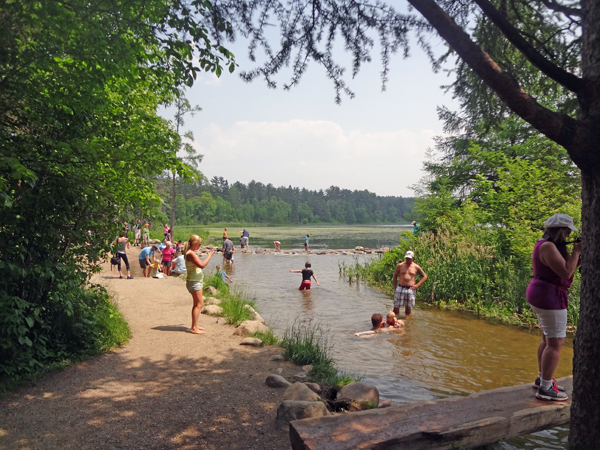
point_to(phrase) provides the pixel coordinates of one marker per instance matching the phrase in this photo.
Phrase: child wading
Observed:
(306, 274)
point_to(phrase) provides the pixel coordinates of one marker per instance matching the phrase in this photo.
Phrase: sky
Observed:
(301, 137)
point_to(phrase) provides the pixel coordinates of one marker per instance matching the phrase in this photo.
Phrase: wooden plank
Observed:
(479, 419)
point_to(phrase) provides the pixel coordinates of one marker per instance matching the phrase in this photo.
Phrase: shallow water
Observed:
(438, 353)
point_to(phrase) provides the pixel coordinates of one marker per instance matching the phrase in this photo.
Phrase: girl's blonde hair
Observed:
(194, 238)
(218, 266)
(390, 314)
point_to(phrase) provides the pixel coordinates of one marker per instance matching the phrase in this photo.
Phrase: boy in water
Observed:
(306, 274)
(391, 320)
(378, 324)
(223, 274)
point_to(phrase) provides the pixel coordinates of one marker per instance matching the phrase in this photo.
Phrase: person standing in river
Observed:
(228, 251)
(306, 239)
(405, 283)
(245, 239)
(547, 294)
(306, 274)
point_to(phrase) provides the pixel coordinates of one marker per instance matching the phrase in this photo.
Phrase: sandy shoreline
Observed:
(166, 388)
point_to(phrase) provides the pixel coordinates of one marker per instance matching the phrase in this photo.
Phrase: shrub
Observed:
(233, 304)
(267, 338)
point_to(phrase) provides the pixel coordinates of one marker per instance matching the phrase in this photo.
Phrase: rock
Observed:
(252, 341)
(385, 403)
(359, 252)
(211, 290)
(277, 358)
(212, 310)
(358, 248)
(212, 300)
(279, 370)
(384, 249)
(254, 314)
(249, 327)
(222, 320)
(301, 377)
(277, 381)
(300, 392)
(313, 387)
(294, 410)
(154, 241)
(361, 393)
(307, 367)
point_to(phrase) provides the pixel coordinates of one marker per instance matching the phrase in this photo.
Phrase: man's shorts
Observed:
(143, 263)
(305, 285)
(244, 240)
(228, 256)
(404, 296)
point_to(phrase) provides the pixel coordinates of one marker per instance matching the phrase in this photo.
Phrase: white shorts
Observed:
(553, 322)
(404, 296)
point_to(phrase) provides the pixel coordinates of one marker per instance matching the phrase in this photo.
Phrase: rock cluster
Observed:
(269, 251)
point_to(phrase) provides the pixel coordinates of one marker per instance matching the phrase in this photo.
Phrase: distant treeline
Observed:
(218, 201)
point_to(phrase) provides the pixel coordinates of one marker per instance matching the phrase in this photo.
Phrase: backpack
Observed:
(114, 261)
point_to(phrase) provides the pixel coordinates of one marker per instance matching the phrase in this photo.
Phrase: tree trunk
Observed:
(585, 409)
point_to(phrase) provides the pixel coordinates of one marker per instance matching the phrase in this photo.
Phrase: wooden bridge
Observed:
(467, 422)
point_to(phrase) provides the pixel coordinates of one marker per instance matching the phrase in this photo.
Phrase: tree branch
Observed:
(568, 80)
(558, 127)
(567, 10)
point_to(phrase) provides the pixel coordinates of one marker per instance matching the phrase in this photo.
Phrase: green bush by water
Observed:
(267, 338)
(309, 344)
(233, 303)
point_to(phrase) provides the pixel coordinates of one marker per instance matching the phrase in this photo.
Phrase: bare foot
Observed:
(200, 331)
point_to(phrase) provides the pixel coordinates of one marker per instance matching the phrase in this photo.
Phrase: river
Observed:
(438, 353)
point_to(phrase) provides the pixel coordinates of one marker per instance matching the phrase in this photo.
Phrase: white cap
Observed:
(560, 220)
(409, 254)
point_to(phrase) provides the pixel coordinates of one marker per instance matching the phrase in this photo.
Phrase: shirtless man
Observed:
(404, 283)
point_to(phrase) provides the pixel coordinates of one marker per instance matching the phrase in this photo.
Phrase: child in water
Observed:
(306, 274)
(379, 325)
(391, 320)
(223, 273)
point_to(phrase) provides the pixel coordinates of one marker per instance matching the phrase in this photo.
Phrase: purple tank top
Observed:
(546, 289)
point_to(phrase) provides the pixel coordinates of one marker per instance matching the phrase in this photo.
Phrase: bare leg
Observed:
(540, 352)
(396, 310)
(407, 311)
(550, 357)
(198, 304)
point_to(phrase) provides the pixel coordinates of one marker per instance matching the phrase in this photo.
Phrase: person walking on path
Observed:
(245, 239)
(306, 239)
(405, 285)
(166, 231)
(547, 294)
(195, 278)
(306, 274)
(122, 244)
(228, 251)
(146, 234)
(144, 258)
(167, 257)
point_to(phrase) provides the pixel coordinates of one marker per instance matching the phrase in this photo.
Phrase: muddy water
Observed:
(438, 353)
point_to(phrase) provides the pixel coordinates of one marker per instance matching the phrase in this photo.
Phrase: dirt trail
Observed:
(166, 388)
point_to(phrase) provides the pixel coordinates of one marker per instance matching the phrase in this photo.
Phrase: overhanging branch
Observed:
(559, 127)
(568, 80)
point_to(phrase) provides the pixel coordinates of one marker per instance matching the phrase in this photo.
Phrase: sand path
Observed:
(166, 388)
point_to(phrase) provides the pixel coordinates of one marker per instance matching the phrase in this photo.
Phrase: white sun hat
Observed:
(410, 255)
(560, 220)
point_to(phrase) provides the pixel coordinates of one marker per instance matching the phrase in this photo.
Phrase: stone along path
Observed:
(166, 388)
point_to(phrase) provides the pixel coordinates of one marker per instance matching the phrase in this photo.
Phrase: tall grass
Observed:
(233, 302)
(309, 344)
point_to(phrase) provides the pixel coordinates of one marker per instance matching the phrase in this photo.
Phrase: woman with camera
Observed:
(547, 294)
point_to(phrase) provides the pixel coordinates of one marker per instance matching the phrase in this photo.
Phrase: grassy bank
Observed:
(302, 344)
(462, 276)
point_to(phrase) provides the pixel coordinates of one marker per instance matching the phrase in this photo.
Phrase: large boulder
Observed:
(255, 315)
(359, 393)
(358, 248)
(212, 310)
(211, 290)
(277, 381)
(295, 410)
(300, 392)
(249, 327)
(252, 341)
(212, 300)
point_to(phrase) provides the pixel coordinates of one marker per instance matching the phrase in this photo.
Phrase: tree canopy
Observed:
(80, 141)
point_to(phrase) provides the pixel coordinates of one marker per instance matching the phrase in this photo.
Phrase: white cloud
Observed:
(315, 155)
